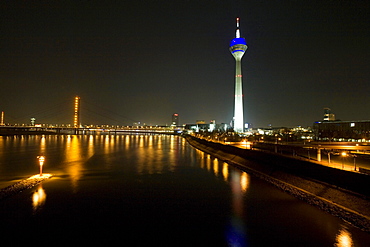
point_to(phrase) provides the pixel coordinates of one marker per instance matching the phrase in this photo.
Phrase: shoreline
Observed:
(350, 206)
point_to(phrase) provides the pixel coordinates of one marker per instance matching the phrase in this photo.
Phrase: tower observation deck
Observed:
(237, 48)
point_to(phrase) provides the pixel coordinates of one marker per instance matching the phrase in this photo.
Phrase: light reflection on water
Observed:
(38, 199)
(90, 149)
(344, 238)
(73, 160)
(244, 181)
(151, 157)
(239, 182)
(215, 166)
(236, 232)
(162, 154)
(225, 171)
(42, 145)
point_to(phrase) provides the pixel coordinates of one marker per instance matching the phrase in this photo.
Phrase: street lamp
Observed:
(354, 160)
(41, 161)
(344, 154)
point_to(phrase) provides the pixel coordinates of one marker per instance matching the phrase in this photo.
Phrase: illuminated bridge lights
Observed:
(76, 118)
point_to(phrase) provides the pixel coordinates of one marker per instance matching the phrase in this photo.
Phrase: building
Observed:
(328, 115)
(237, 48)
(342, 130)
(175, 119)
(203, 127)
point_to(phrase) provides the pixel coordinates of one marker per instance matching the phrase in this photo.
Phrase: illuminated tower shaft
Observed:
(238, 101)
(76, 118)
(237, 48)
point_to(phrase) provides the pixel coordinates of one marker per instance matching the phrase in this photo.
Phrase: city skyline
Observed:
(132, 62)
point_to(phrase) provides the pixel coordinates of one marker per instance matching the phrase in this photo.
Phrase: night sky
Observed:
(145, 60)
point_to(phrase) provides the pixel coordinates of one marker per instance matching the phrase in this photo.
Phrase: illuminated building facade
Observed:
(237, 48)
(342, 130)
(76, 116)
(175, 119)
(328, 115)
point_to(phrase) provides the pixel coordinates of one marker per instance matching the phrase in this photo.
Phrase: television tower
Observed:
(237, 48)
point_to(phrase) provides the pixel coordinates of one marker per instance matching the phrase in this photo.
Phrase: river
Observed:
(145, 190)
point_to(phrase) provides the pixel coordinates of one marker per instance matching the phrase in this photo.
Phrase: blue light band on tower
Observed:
(238, 41)
(237, 48)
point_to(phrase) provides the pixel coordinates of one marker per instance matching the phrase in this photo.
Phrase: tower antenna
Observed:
(237, 34)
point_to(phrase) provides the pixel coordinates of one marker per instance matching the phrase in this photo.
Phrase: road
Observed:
(346, 156)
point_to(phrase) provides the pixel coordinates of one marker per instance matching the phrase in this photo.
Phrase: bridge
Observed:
(77, 128)
(50, 129)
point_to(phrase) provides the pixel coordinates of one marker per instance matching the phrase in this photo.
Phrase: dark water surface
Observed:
(151, 190)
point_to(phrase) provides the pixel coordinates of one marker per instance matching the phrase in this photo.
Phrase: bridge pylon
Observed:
(76, 116)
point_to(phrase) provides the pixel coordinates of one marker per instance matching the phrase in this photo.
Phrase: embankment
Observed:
(22, 185)
(341, 193)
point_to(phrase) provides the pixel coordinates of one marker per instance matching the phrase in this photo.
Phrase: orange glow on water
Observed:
(225, 171)
(344, 239)
(42, 145)
(73, 157)
(244, 181)
(209, 162)
(38, 198)
(215, 166)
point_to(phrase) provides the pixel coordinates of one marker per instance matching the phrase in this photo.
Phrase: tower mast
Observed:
(237, 48)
